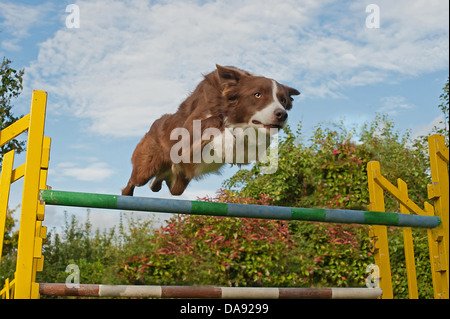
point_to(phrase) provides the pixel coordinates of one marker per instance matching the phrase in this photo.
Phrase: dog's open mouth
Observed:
(267, 126)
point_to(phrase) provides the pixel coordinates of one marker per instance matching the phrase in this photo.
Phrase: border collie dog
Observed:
(226, 100)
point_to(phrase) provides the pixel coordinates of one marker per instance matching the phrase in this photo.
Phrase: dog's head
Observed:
(254, 101)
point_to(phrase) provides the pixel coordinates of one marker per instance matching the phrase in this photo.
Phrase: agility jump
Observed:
(36, 195)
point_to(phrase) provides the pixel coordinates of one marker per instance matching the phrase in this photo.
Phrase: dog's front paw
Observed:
(156, 185)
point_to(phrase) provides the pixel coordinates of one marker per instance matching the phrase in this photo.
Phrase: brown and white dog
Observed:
(227, 98)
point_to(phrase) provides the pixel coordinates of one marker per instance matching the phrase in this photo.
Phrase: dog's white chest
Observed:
(234, 146)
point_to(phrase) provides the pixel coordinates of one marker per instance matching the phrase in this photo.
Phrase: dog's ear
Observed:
(230, 75)
(290, 91)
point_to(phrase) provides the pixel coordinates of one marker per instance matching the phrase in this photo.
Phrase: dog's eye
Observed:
(258, 95)
(283, 100)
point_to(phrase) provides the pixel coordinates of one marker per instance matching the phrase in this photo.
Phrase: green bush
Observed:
(421, 259)
(199, 250)
(96, 254)
(194, 250)
(330, 170)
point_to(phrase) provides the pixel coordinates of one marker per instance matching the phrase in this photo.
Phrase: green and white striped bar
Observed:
(207, 292)
(177, 206)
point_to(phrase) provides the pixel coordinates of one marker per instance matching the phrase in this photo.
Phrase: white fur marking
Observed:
(266, 115)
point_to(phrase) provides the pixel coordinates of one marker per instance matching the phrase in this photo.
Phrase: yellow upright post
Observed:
(378, 234)
(5, 182)
(438, 191)
(408, 246)
(30, 200)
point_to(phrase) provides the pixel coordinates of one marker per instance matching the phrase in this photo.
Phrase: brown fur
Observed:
(224, 97)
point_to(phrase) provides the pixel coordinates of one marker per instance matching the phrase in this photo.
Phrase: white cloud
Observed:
(18, 19)
(425, 130)
(132, 61)
(94, 172)
(410, 39)
(392, 105)
(10, 45)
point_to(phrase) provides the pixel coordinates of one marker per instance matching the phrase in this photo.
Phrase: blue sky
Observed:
(129, 62)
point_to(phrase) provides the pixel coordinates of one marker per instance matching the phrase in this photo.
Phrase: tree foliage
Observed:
(10, 88)
(443, 128)
(9, 252)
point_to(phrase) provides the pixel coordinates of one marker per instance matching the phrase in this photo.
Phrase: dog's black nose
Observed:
(281, 115)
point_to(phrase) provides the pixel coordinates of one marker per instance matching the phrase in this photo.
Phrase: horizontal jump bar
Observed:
(207, 292)
(178, 206)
